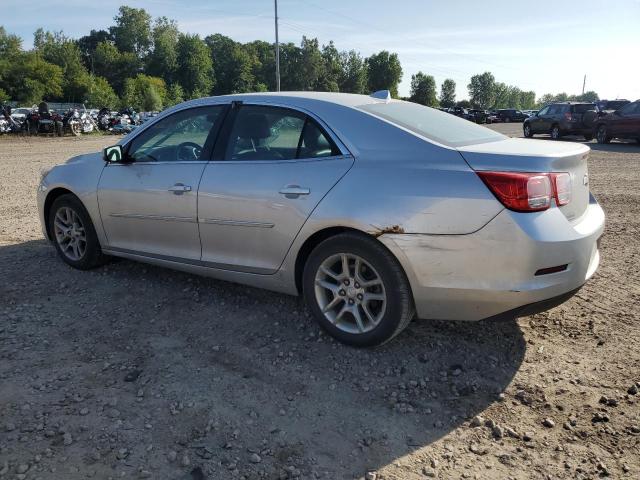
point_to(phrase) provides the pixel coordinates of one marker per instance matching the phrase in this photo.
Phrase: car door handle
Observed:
(294, 191)
(179, 188)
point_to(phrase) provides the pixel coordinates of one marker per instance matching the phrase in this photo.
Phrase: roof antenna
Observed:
(382, 95)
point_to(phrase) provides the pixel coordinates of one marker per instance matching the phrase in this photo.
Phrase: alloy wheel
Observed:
(70, 233)
(350, 293)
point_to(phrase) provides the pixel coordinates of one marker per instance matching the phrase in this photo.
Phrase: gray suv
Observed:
(566, 118)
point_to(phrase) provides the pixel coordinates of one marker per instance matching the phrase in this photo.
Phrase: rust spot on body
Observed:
(393, 229)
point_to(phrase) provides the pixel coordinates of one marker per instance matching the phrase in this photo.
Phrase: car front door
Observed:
(148, 203)
(625, 121)
(277, 165)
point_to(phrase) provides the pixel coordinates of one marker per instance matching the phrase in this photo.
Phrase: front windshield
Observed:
(432, 124)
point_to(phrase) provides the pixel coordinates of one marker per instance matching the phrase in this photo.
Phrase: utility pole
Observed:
(584, 82)
(277, 50)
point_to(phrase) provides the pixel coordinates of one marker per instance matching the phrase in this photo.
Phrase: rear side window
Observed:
(432, 124)
(583, 108)
(274, 133)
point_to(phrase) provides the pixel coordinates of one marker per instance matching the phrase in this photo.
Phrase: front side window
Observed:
(274, 133)
(179, 137)
(544, 111)
(432, 124)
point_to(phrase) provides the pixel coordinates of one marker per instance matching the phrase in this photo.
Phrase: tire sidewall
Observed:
(93, 251)
(555, 132)
(527, 130)
(392, 276)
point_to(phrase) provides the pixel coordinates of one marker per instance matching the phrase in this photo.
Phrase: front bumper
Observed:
(492, 271)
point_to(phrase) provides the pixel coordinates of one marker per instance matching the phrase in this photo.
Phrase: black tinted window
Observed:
(314, 143)
(583, 108)
(629, 109)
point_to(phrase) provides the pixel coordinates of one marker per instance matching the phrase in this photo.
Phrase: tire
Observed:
(555, 132)
(392, 314)
(528, 133)
(76, 128)
(91, 256)
(588, 137)
(601, 135)
(59, 129)
(507, 119)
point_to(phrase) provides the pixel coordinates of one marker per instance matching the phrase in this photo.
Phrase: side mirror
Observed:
(113, 154)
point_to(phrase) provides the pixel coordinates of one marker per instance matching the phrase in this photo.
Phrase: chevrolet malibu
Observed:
(375, 210)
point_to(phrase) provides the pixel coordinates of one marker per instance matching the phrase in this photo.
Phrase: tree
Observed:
(234, 65)
(89, 43)
(384, 72)
(482, 90)
(144, 93)
(163, 59)
(175, 95)
(331, 70)
(114, 65)
(588, 96)
(423, 90)
(59, 50)
(464, 104)
(448, 93)
(29, 79)
(101, 94)
(195, 68)
(528, 100)
(353, 74)
(132, 31)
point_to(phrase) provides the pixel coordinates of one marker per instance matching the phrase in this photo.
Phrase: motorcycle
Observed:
(71, 122)
(43, 121)
(8, 124)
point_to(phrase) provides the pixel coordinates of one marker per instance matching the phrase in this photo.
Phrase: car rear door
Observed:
(277, 164)
(148, 205)
(627, 123)
(537, 122)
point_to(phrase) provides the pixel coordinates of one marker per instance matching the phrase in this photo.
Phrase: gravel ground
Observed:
(132, 371)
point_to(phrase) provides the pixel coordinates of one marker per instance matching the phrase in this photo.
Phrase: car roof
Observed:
(344, 99)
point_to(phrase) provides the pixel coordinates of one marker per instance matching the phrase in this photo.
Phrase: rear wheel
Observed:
(73, 233)
(357, 290)
(602, 136)
(527, 130)
(507, 120)
(555, 132)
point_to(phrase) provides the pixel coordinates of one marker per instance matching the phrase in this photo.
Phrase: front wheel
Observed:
(357, 290)
(73, 233)
(602, 136)
(527, 130)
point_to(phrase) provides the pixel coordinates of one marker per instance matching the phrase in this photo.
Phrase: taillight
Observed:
(562, 187)
(528, 192)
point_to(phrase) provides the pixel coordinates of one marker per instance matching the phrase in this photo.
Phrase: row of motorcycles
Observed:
(41, 120)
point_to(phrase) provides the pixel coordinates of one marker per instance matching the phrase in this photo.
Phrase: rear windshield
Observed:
(433, 124)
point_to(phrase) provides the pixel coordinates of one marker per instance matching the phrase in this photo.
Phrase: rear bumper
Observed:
(491, 272)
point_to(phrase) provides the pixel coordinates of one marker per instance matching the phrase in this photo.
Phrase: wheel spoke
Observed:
(368, 297)
(345, 308)
(327, 285)
(370, 283)
(367, 312)
(333, 303)
(356, 314)
(329, 273)
(345, 265)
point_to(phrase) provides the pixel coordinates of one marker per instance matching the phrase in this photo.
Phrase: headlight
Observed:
(43, 173)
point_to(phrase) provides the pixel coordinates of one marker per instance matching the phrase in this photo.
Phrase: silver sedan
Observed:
(376, 210)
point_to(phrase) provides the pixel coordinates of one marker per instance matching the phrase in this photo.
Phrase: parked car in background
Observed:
(623, 123)
(462, 113)
(608, 106)
(511, 115)
(565, 118)
(20, 114)
(371, 208)
(481, 116)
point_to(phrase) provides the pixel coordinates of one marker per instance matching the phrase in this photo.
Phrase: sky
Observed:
(543, 46)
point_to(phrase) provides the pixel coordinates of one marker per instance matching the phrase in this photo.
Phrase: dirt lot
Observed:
(132, 371)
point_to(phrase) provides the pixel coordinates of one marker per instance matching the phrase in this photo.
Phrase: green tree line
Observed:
(149, 64)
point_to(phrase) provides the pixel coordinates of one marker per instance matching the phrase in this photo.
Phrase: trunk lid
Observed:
(525, 155)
